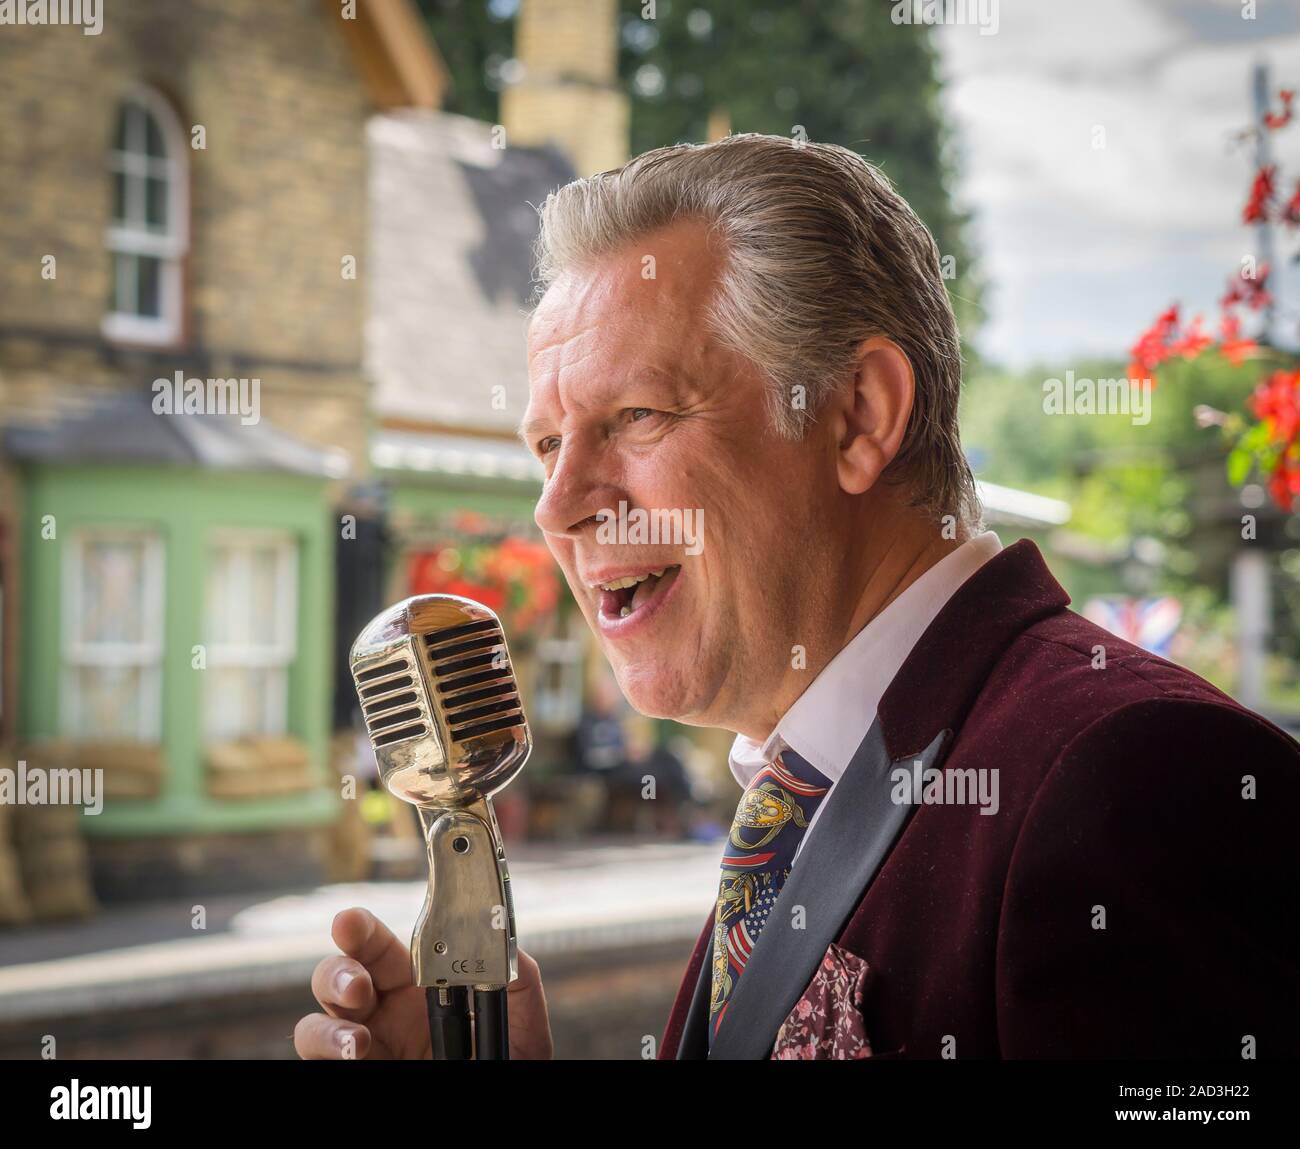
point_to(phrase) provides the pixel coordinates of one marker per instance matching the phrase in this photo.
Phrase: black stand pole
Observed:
(491, 1025)
(449, 1029)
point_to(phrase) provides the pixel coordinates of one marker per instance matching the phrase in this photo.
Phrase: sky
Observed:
(1082, 246)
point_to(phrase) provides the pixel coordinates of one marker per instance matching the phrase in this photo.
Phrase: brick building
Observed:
(184, 197)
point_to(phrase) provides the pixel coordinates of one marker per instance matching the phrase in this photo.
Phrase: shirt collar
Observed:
(827, 721)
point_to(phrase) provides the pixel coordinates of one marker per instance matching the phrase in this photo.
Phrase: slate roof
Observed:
(449, 268)
(121, 427)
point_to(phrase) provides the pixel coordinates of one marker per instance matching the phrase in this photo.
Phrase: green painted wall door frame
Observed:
(188, 508)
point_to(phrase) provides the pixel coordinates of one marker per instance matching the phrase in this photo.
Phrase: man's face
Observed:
(633, 401)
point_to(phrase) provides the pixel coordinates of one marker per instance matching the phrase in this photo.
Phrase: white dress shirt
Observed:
(828, 721)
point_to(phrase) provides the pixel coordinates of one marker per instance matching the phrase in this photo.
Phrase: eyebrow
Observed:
(526, 430)
(676, 385)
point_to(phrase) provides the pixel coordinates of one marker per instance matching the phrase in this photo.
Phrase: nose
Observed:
(575, 493)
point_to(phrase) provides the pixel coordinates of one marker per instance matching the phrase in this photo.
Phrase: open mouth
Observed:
(623, 597)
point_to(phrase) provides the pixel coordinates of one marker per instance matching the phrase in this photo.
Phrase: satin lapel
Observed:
(830, 876)
(694, 1042)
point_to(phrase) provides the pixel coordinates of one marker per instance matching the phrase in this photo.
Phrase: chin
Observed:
(657, 690)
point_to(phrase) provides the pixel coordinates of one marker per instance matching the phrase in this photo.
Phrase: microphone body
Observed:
(442, 708)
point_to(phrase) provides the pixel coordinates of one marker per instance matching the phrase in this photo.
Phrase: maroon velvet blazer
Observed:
(1125, 788)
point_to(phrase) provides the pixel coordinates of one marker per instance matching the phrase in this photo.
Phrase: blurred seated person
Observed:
(600, 741)
(651, 790)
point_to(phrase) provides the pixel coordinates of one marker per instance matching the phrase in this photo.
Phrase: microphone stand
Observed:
(465, 936)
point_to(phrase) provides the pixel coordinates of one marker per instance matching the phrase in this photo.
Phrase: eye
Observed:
(547, 445)
(636, 414)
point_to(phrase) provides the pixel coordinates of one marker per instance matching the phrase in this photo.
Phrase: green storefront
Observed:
(177, 583)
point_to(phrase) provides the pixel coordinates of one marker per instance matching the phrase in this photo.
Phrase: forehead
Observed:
(641, 309)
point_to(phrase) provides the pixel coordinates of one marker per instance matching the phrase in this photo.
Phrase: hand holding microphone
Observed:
(442, 708)
(381, 1013)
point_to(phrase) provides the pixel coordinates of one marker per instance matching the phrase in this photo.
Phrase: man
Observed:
(975, 825)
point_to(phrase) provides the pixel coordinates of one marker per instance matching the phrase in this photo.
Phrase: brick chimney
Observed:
(568, 94)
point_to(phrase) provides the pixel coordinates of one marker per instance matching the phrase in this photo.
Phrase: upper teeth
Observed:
(630, 580)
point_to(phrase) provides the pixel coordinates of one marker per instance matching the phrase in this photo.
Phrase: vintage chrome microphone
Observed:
(442, 708)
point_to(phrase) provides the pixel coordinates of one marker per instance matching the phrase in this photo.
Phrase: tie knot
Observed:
(797, 774)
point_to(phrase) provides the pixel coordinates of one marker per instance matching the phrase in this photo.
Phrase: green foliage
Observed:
(840, 69)
(475, 37)
(1122, 477)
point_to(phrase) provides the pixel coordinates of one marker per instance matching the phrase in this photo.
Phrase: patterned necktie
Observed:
(770, 821)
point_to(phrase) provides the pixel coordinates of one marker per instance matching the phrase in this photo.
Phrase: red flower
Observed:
(1192, 342)
(1284, 483)
(1275, 120)
(1291, 210)
(1252, 290)
(1231, 346)
(1261, 195)
(1154, 346)
(1275, 402)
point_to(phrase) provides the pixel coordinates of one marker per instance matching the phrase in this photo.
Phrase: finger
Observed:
(530, 974)
(344, 989)
(320, 1038)
(361, 935)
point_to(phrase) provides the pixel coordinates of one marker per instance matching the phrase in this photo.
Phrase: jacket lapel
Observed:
(693, 1045)
(830, 877)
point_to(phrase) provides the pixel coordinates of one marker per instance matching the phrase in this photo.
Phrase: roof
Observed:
(396, 55)
(452, 223)
(1020, 508)
(445, 454)
(121, 427)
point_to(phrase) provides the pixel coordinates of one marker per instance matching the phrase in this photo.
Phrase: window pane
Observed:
(110, 699)
(124, 284)
(155, 203)
(265, 606)
(120, 131)
(112, 606)
(119, 197)
(243, 701)
(246, 688)
(153, 137)
(149, 299)
(226, 691)
(262, 714)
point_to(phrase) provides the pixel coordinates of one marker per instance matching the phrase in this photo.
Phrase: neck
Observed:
(888, 553)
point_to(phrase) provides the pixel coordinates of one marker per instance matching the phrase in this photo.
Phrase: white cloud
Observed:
(1083, 244)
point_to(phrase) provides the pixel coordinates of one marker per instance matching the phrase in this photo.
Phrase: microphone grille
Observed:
(392, 702)
(471, 672)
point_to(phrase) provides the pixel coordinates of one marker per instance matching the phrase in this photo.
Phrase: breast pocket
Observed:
(826, 1023)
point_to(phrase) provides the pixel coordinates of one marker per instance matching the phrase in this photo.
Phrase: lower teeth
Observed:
(625, 612)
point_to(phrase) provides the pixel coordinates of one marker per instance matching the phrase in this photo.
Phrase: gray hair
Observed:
(821, 254)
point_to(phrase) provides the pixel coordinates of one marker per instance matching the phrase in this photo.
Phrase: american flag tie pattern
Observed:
(770, 822)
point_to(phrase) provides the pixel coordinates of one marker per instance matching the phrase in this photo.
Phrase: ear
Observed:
(870, 418)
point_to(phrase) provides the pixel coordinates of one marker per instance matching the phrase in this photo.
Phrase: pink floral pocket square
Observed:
(826, 1022)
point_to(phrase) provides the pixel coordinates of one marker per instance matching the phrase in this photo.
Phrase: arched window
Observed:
(148, 231)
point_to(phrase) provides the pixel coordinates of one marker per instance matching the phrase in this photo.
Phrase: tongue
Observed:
(643, 591)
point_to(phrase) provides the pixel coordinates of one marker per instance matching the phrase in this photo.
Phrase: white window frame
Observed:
(282, 653)
(168, 247)
(146, 654)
